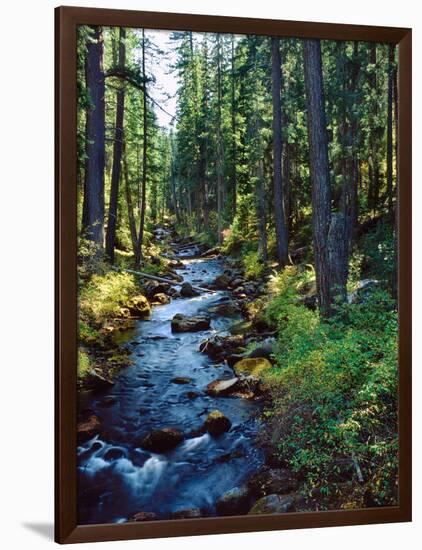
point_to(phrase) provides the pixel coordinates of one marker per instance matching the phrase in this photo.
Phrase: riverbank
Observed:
(276, 355)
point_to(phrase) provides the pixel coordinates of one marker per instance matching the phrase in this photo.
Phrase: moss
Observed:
(252, 366)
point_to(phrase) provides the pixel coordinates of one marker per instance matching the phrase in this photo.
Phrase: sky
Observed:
(164, 90)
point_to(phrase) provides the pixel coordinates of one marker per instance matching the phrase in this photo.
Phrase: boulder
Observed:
(234, 502)
(273, 504)
(187, 291)
(272, 481)
(160, 441)
(155, 287)
(186, 513)
(218, 388)
(265, 349)
(218, 347)
(139, 306)
(87, 429)
(221, 282)
(238, 281)
(176, 264)
(217, 423)
(96, 381)
(161, 299)
(143, 516)
(182, 323)
(252, 366)
(226, 309)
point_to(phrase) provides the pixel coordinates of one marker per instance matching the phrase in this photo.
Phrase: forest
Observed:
(249, 185)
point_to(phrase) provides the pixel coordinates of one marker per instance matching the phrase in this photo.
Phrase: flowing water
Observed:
(117, 478)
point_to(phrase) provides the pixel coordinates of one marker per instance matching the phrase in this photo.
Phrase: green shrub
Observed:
(254, 267)
(84, 364)
(335, 389)
(103, 296)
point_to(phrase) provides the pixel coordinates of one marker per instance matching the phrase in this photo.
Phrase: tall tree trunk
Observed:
(173, 180)
(390, 130)
(117, 155)
(329, 272)
(262, 230)
(93, 207)
(374, 181)
(279, 213)
(130, 211)
(138, 255)
(219, 148)
(233, 129)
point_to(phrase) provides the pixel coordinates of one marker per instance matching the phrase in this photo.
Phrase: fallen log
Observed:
(159, 279)
(211, 251)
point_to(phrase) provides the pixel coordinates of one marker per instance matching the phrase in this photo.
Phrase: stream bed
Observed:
(116, 477)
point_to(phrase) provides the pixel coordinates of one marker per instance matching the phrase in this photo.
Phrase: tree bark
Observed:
(390, 131)
(219, 148)
(138, 254)
(324, 248)
(117, 156)
(279, 212)
(93, 207)
(233, 130)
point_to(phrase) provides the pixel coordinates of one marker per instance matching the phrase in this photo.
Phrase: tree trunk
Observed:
(233, 129)
(117, 155)
(131, 215)
(219, 148)
(390, 131)
(279, 213)
(138, 254)
(262, 230)
(329, 272)
(93, 207)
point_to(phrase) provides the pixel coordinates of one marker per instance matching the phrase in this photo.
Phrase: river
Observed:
(116, 477)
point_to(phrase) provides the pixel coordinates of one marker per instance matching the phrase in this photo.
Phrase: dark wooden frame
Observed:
(66, 21)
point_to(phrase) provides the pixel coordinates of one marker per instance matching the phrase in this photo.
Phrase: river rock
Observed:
(139, 306)
(187, 291)
(218, 347)
(143, 516)
(264, 349)
(273, 504)
(234, 502)
(161, 299)
(87, 429)
(97, 382)
(187, 513)
(227, 309)
(238, 281)
(181, 380)
(219, 388)
(160, 441)
(182, 323)
(252, 366)
(155, 287)
(221, 282)
(272, 481)
(176, 264)
(217, 423)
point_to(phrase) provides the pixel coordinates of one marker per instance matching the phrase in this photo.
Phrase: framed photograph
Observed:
(233, 274)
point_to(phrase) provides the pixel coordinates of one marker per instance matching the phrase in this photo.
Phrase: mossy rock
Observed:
(252, 366)
(217, 423)
(139, 306)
